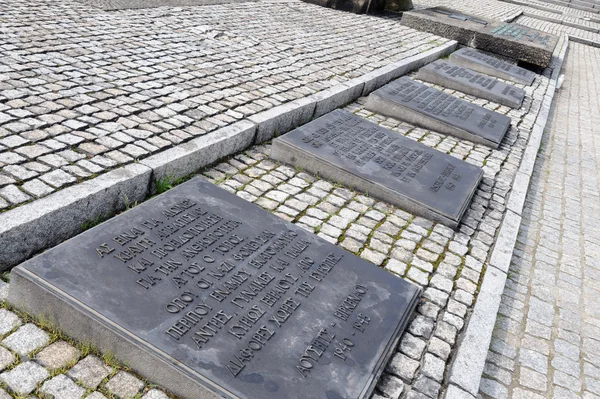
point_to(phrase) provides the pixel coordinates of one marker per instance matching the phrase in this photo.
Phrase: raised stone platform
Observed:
(414, 102)
(510, 40)
(345, 148)
(211, 296)
(489, 65)
(470, 82)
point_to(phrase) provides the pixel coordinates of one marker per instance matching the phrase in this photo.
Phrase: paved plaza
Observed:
(545, 344)
(107, 103)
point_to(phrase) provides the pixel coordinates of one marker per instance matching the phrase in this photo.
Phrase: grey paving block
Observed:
(26, 339)
(24, 378)
(62, 387)
(6, 358)
(89, 372)
(57, 355)
(8, 321)
(124, 385)
(59, 216)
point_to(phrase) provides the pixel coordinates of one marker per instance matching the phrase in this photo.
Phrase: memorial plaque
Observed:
(510, 40)
(348, 149)
(425, 106)
(211, 296)
(466, 80)
(484, 63)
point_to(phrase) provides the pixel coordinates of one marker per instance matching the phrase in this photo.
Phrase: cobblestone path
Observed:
(547, 338)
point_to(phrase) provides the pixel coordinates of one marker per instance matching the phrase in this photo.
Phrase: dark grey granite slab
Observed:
(484, 63)
(425, 106)
(211, 296)
(466, 80)
(363, 155)
(510, 40)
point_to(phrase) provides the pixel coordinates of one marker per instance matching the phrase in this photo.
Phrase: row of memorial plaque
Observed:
(211, 296)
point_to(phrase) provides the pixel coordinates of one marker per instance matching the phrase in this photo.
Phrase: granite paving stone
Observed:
(90, 371)
(539, 335)
(124, 385)
(24, 378)
(26, 339)
(62, 387)
(57, 355)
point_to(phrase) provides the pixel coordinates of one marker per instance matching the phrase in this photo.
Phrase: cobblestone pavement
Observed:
(83, 90)
(39, 361)
(448, 264)
(547, 339)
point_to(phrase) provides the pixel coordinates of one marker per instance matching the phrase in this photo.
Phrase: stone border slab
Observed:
(44, 223)
(467, 367)
(25, 230)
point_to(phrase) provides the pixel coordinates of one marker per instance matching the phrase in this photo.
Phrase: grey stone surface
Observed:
(190, 157)
(57, 355)
(344, 148)
(510, 40)
(416, 103)
(355, 6)
(6, 358)
(26, 339)
(24, 378)
(59, 216)
(455, 77)
(8, 321)
(470, 358)
(282, 119)
(124, 385)
(138, 4)
(490, 65)
(544, 334)
(150, 315)
(62, 387)
(155, 394)
(89, 371)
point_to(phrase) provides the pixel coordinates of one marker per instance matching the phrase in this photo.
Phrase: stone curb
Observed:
(581, 40)
(562, 22)
(46, 222)
(286, 117)
(467, 368)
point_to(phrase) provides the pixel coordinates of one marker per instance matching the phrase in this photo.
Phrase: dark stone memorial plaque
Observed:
(345, 148)
(211, 296)
(455, 77)
(484, 63)
(510, 40)
(425, 106)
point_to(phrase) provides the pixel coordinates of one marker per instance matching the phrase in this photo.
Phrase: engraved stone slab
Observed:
(425, 106)
(211, 296)
(484, 63)
(346, 148)
(510, 40)
(455, 77)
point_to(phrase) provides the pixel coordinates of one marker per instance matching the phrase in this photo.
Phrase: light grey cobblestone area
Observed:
(83, 91)
(42, 363)
(559, 28)
(547, 338)
(448, 264)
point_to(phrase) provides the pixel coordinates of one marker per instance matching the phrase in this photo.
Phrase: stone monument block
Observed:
(348, 149)
(485, 63)
(425, 106)
(510, 40)
(455, 77)
(211, 296)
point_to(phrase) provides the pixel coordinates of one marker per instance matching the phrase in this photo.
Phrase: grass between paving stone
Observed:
(85, 349)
